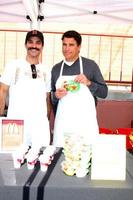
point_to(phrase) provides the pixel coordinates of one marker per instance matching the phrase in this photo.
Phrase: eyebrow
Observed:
(38, 39)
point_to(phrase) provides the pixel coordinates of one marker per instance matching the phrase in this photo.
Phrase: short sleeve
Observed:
(8, 75)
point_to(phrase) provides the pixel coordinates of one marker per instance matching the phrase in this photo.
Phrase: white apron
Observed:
(28, 102)
(76, 113)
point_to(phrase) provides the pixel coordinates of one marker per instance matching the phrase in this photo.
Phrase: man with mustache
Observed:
(28, 85)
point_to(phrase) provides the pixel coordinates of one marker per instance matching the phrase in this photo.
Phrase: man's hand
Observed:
(81, 78)
(3, 94)
(60, 92)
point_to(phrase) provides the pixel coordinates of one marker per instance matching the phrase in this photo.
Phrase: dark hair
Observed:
(73, 34)
(34, 33)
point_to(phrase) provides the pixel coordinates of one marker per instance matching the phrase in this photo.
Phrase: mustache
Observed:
(34, 49)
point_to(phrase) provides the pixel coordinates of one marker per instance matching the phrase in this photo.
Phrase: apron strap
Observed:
(81, 65)
(61, 70)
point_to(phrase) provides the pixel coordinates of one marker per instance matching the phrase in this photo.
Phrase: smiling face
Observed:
(70, 49)
(34, 47)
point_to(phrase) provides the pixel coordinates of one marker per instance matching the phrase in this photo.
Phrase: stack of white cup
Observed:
(19, 156)
(46, 158)
(32, 158)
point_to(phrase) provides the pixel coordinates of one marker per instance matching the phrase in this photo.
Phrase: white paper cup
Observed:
(31, 164)
(17, 160)
(17, 164)
(44, 167)
(31, 161)
(44, 162)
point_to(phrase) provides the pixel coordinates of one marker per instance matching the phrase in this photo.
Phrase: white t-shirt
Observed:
(13, 70)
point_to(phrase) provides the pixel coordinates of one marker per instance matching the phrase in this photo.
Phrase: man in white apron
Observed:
(29, 88)
(76, 82)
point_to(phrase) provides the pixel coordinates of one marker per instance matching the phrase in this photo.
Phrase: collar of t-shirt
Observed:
(68, 63)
